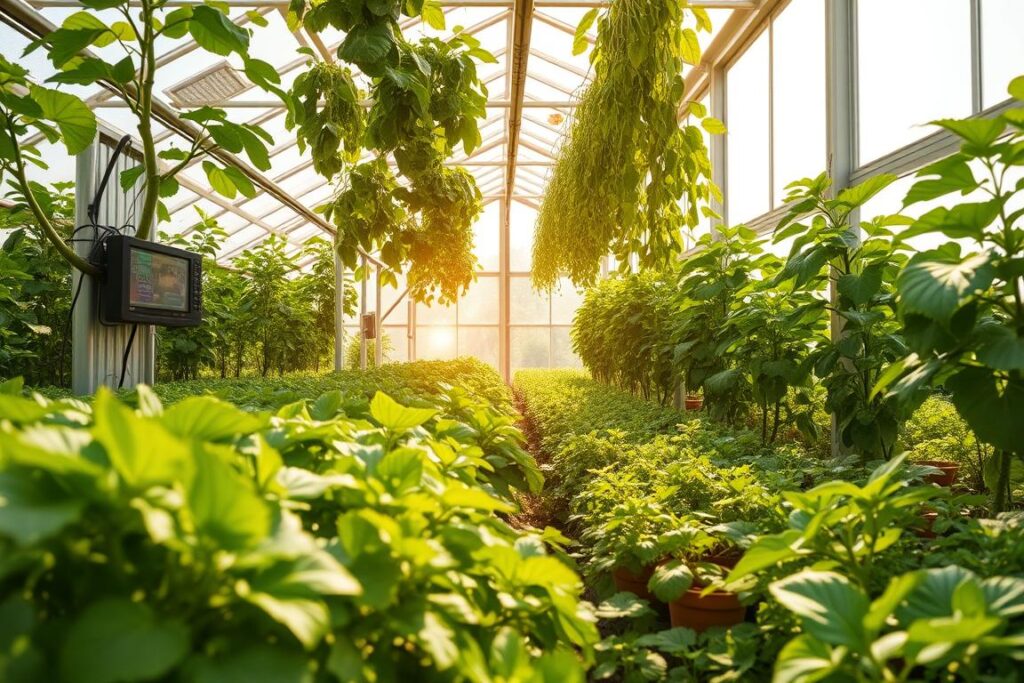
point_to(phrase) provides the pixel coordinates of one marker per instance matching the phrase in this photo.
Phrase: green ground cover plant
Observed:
(335, 537)
(815, 540)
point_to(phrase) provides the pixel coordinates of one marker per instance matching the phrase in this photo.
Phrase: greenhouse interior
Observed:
(511, 341)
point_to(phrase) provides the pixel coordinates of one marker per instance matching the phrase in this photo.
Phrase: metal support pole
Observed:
(719, 146)
(840, 79)
(362, 312)
(339, 314)
(378, 347)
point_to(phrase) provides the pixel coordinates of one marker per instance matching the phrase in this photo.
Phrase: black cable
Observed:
(127, 350)
(93, 214)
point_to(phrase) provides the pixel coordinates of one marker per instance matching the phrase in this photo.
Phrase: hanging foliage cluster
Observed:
(630, 178)
(426, 101)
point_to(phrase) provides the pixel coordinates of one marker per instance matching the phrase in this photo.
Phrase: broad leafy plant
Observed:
(962, 304)
(863, 260)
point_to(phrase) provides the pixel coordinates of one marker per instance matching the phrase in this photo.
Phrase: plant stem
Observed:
(145, 95)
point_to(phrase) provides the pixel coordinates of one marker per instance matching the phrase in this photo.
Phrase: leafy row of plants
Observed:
(344, 538)
(833, 578)
(759, 335)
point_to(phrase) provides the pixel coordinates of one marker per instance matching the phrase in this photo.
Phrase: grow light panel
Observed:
(216, 84)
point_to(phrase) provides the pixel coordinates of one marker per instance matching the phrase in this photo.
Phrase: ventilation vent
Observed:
(215, 85)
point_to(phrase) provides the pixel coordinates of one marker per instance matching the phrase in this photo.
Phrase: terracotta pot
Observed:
(948, 474)
(701, 613)
(927, 521)
(693, 403)
(627, 581)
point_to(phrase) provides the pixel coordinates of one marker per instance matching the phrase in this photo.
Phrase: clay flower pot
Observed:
(693, 403)
(928, 518)
(635, 583)
(701, 613)
(948, 474)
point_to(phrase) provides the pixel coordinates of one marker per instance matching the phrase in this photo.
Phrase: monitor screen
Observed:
(158, 280)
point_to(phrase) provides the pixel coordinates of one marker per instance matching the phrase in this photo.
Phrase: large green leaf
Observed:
(806, 659)
(224, 504)
(216, 33)
(579, 40)
(116, 640)
(396, 417)
(979, 132)
(1004, 596)
(833, 609)
(933, 595)
(990, 405)
(31, 509)
(141, 450)
(76, 122)
(938, 288)
(1000, 347)
(670, 580)
(366, 45)
(208, 419)
(261, 663)
(954, 175)
(857, 195)
(767, 552)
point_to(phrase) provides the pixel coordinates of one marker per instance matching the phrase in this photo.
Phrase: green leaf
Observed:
(937, 287)
(401, 470)
(860, 289)
(885, 605)
(433, 14)
(673, 641)
(689, 46)
(395, 417)
(130, 176)
(579, 40)
(805, 659)
(76, 122)
(767, 552)
(713, 125)
(367, 44)
(1004, 596)
(241, 181)
(140, 449)
(1016, 88)
(933, 595)
(623, 605)
(967, 219)
(32, 509)
(263, 663)
(955, 175)
(670, 581)
(858, 195)
(116, 640)
(999, 347)
(976, 131)
(220, 181)
(460, 495)
(216, 33)
(224, 504)
(833, 609)
(208, 419)
(991, 405)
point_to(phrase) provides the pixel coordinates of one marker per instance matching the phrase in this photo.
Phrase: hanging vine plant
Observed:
(426, 100)
(627, 170)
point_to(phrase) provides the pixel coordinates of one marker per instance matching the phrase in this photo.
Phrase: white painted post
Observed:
(96, 349)
(339, 313)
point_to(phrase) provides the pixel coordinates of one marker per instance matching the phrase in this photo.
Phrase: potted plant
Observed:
(693, 402)
(946, 475)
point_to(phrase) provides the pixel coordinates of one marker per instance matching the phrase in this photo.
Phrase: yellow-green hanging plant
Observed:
(629, 179)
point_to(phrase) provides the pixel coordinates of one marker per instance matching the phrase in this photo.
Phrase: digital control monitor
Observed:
(150, 284)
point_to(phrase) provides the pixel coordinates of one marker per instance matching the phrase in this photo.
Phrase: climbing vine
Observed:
(629, 179)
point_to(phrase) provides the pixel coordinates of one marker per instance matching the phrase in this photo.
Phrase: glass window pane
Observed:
(480, 342)
(486, 238)
(436, 343)
(747, 137)
(529, 347)
(1002, 47)
(522, 221)
(479, 305)
(396, 346)
(435, 314)
(798, 94)
(914, 67)
(565, 299)
(562, 355)
(527, 306)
